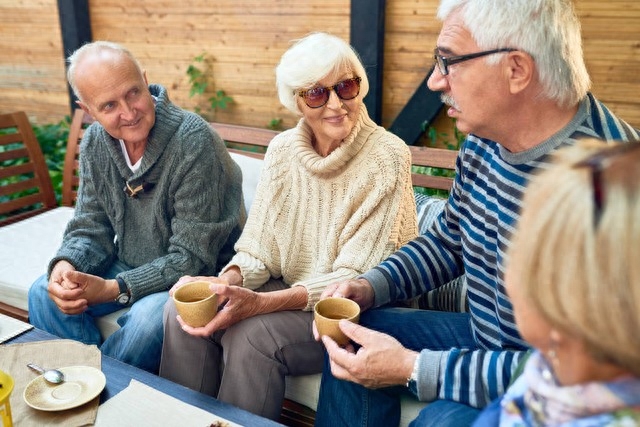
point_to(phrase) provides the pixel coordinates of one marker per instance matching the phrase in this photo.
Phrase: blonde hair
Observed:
(578, 269)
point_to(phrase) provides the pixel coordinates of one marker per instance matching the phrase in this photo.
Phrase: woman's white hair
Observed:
(95, 48)
(548, 30)
(312, 58)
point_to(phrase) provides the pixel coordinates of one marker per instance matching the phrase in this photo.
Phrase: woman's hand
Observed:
(186, 279)
(241, 303)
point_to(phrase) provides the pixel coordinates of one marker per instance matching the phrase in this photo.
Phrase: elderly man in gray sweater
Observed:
(159, 198)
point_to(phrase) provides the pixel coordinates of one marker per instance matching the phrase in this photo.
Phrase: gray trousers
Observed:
(246, 364)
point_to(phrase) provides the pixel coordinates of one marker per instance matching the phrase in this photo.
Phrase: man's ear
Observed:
(521, 71)
(85, 108)
(144, 76)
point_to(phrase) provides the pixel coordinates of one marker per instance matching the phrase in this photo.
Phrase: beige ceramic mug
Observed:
(195, 302)
(328, 313)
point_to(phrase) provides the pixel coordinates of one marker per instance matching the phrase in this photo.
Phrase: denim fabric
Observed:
(343, 403)
(138, 342)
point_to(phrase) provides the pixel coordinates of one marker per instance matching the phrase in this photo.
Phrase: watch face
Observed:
(123, 299)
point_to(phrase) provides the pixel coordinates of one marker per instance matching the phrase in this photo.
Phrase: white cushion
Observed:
(251, 168)
(26, 248)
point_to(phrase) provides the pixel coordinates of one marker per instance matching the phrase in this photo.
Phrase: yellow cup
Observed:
(329, 312)
(6, 387)
(196, 304)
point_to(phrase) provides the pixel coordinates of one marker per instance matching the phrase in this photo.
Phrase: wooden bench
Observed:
(253, 142)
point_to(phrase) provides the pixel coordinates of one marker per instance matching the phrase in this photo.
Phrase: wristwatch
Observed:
(125, 294)
(412, 381)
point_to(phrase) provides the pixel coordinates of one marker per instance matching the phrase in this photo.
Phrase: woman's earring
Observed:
(552, 358)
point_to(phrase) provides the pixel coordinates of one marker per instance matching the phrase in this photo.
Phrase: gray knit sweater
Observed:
(186, 223)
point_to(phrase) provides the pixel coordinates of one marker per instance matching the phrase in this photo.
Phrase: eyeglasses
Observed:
(597, 163)
(444, 62)
(319, 96)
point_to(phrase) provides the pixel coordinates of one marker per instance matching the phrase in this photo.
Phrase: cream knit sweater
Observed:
(317, 220)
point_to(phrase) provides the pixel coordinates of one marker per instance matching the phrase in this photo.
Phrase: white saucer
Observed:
(81, 384)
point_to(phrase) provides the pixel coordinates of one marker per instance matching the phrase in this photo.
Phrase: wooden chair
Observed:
(26, 188)
(70, 176)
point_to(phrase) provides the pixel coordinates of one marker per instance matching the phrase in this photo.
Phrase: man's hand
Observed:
(241, 303)
(57, 275)
(381, 361)
(358, 290)
(77, 291)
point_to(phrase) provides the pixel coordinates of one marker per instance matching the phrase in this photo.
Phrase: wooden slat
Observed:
(6, 172)
(17, 187)
(18, 153)
(16, 313)
(244, 134)
(70, 178)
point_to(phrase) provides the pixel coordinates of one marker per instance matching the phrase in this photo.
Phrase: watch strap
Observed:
(124, 295)
(124, 289)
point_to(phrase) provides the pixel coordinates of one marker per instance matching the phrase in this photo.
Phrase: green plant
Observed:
(200, 77)
(53, 142)
(275, 124)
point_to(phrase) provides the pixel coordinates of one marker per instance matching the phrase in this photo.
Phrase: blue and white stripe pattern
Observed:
(471, 235)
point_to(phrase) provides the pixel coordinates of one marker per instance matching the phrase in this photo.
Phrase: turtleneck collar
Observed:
(338, 158)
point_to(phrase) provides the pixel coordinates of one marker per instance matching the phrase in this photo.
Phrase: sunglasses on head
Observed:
(318, 96)
(597, 163)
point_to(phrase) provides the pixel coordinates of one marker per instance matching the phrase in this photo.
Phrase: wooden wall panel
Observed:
(245, 38)
(31, 63)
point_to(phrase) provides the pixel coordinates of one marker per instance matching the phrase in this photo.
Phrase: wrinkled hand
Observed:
(57, 275)
(381, 361)
(76, 291)
(358, 290)
(241, 304)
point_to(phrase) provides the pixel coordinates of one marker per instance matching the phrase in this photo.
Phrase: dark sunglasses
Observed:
(597, 163)
(318, 96)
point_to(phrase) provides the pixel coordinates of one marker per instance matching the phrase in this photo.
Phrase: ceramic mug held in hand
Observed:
(328, 313)
(195, 303)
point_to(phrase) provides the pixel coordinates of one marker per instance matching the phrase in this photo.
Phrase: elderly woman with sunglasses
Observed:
(579, 312)
(334, 199)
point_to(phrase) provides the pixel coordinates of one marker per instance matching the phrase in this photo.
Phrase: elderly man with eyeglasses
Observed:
(513, 76)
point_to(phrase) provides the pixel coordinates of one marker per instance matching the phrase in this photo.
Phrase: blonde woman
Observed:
(573, 278)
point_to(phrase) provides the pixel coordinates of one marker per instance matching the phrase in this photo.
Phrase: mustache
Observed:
(448, 100)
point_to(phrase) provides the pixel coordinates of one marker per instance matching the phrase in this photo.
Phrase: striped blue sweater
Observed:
(471, 236)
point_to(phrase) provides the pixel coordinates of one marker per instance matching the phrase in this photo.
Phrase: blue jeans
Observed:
(343, 403)
(138, 342)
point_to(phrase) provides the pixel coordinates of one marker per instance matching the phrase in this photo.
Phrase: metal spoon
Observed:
(50, 375)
